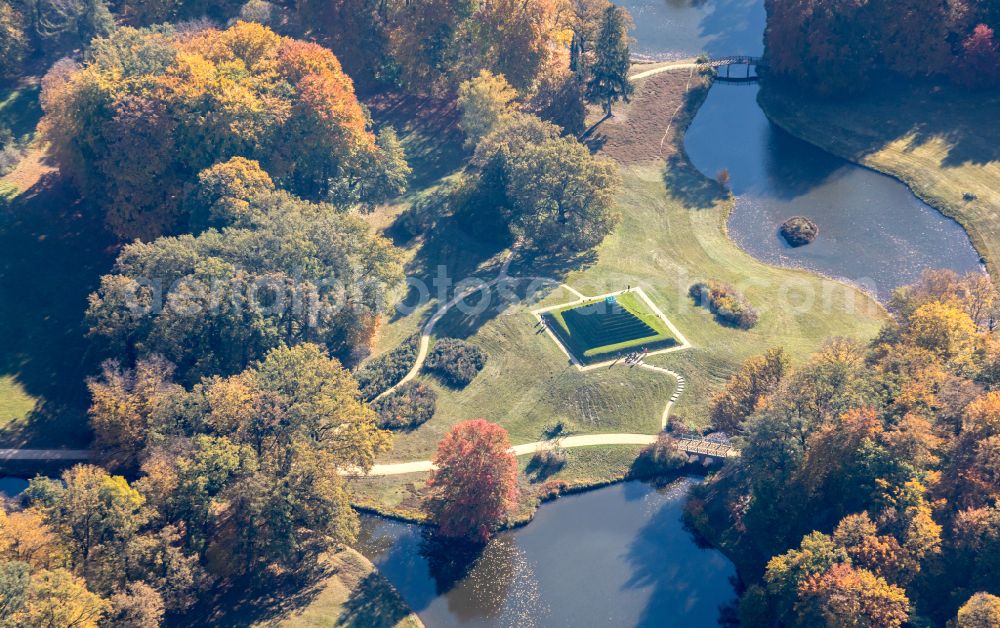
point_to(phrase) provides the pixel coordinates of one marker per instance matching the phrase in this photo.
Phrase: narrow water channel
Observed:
(618, 556)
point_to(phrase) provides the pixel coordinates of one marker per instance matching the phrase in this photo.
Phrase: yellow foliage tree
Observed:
(58, 598)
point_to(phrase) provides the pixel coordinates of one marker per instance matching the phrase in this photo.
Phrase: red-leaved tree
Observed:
(980, 62)
(475, 484)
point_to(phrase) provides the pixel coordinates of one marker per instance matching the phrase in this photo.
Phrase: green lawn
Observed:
(672, 234)
(942, 142)
(15, 403)
(601, 329)
(53, 253)
(20, 109)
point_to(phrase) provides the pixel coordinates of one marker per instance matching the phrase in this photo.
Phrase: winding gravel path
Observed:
(583, 440)
(380, 470)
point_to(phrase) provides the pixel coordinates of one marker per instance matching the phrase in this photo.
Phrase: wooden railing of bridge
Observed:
(702, 447)
(736, 61)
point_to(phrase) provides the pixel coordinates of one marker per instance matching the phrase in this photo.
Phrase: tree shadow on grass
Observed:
(690, 186)
(428, 130)
(54, 251)
(256, 599)
(962, 119)
(373, 604)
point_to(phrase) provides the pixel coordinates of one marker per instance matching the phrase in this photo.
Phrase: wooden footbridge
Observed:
(736, 68)
(707, 448)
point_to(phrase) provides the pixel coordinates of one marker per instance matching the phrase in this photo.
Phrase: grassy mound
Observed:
(606, 327)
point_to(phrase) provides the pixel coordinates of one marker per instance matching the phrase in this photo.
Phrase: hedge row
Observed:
(729, 306)
(407, 407)
(455, 361)
(385, 371)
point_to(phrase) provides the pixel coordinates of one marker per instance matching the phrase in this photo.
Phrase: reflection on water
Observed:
(618, 556)
(872, 229)
(674, 29)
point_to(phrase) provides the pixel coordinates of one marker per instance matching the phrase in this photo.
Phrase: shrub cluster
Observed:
(457, 362)
(385, 371)
(659, 458)
(411, 405)
(729, 306)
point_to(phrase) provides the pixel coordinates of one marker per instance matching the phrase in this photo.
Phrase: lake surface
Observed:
(872, 230)
(618, 556)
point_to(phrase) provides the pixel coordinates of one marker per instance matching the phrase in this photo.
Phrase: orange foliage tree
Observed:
(475, 484)
(149, 110)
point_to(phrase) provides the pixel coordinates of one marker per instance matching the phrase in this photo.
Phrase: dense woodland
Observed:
(226, 148)
(836, 48)
(868, 483)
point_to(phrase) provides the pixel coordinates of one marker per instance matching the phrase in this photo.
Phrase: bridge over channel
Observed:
(736, 68)
(731, 69)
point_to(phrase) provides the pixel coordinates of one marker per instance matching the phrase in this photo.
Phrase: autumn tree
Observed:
(124, 403)
(138, 606)
(980, 61)
(982, 610)
(946, 331)
(844, 595)
(974, 292)
(59, 598)
(25, 537)
(215, 302)
(485, 101)
(228, 193)
(191, 101)
(608, 81)
(559, 98)
(358, 32)
(511, 38)
(747, 389)
(253, 486)
(474, 484)
(95, 515)
(825, 47)
(13, 41)
(787, 573)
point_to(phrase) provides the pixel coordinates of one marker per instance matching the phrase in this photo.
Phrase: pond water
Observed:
(872, 230)
(676, 29)
(618, 556)
(11, 486)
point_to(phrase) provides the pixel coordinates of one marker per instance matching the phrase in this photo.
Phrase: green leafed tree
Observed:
(287, 271)
(485, 101)
(561, 196)
(609, 82)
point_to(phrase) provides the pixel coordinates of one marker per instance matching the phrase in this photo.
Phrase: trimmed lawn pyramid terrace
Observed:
(605, 328)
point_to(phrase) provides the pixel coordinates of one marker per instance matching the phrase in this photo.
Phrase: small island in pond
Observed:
(798, 231)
